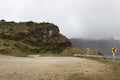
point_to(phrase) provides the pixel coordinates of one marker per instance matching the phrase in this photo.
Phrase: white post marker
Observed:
(114, 50)
(87, 51)
(113, 56)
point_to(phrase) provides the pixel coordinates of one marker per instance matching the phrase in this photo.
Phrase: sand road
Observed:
(49, 68)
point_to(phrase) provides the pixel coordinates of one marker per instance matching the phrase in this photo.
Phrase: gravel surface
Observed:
(49, 68)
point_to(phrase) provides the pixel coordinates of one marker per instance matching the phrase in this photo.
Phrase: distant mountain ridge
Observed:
(104, 45)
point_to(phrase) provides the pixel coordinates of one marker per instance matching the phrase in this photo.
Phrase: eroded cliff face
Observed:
(44, 36)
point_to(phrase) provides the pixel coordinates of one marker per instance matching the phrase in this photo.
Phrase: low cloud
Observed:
(94, 19)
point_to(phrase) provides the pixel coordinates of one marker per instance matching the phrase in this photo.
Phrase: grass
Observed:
(18, 48)
(50, 54)
(114, 64)
(78, 77)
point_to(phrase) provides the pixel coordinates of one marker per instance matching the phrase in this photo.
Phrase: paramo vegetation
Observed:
(25, 38)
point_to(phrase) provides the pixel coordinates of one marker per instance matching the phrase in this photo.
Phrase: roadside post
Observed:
(87, 51)
(114, 50)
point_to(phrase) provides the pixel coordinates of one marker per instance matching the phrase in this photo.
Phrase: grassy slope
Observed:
(35, 34)
(16, 48)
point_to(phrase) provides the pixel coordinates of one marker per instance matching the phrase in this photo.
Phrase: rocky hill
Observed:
(31, 37)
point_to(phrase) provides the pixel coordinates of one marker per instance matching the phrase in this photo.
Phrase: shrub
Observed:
(71, 51)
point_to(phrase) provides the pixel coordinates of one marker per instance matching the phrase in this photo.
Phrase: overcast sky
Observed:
(94, 19)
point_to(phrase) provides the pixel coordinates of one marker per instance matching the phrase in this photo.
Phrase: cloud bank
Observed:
(93, 19)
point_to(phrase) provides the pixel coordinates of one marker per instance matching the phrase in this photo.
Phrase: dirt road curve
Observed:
(49, 68)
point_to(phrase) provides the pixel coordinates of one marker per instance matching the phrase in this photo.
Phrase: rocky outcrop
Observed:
(45, 36)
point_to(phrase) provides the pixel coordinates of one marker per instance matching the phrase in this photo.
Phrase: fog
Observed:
(89, 19)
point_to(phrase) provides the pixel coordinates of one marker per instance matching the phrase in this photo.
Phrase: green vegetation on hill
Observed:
(17, 48)
(70, 51)
(31, 37)
(26, 38)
